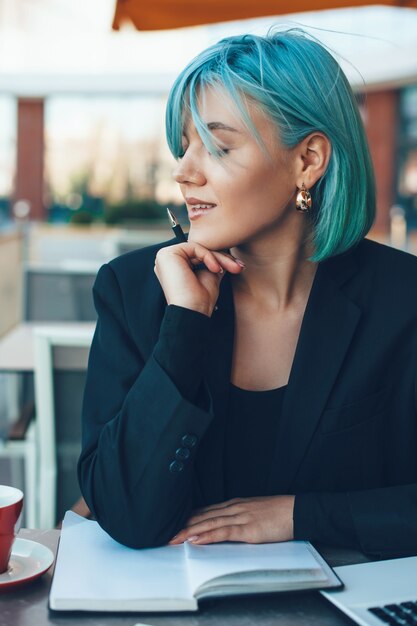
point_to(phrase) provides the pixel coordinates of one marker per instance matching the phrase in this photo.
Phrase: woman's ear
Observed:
(314, 154)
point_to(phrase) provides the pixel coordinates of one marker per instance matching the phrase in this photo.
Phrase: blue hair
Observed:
(302, 88)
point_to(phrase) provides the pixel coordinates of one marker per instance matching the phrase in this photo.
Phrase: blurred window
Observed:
(407, 162)
(7, 147)
(107, 147)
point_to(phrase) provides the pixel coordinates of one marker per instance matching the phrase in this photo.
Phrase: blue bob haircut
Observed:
(295, 81)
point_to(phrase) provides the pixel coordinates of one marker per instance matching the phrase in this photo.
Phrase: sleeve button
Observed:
(176, 467)
(182, 454)
(189, 440)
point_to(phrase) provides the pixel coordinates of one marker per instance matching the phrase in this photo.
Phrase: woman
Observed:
(258, 382)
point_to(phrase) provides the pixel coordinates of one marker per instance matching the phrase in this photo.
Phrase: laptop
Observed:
(384, 592)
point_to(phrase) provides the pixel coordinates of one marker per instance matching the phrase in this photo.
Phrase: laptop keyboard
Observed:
(404, 613)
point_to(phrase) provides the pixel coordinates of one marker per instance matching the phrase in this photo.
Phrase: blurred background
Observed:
(85, 175)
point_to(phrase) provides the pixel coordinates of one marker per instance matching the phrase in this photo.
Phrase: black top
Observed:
(250, 440)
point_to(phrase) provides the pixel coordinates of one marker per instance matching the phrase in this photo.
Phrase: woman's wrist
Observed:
(195, 307)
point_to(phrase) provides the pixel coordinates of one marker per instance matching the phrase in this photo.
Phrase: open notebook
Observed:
(95, 573)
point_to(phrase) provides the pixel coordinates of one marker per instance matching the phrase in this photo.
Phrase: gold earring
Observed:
(303, 201)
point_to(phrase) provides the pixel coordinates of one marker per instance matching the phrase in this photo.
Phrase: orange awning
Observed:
(162, 14)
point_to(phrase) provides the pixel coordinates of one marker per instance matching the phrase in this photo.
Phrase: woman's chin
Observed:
(211, 242)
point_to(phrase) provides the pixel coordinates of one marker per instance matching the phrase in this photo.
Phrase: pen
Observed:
(176, 227)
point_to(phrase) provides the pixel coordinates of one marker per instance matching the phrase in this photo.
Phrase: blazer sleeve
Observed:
(137, 426)
(386, 519)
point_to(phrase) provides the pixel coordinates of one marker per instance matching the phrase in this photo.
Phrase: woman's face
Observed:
(243, 195)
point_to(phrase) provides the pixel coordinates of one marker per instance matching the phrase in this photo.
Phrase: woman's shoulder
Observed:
(386, 276)
(384, 259)
(375, 271)
(134, 267)
(143, 258)
(130, 278)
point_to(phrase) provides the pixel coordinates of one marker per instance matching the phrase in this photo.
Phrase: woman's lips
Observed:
(195, 212)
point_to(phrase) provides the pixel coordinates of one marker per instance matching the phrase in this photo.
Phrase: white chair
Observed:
(25, 449)
(60, 293)
(51, 345)
(23, 446)
(17, 431)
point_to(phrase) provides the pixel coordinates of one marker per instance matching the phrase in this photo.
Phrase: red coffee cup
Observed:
(11, 504)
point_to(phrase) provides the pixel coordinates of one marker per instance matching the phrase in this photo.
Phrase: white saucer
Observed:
(28, 561)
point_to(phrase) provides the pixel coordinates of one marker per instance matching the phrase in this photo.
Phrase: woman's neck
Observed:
(278, 274)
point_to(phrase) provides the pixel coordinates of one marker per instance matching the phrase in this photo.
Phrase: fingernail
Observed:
(239, 262)
(193, 538)
(221, 270)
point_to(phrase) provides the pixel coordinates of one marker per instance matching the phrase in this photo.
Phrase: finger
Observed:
(219, 512)
(196, 254)
(207, 525)
(189, 252)
(229, 263)
(237, 532)
(205, 258)
(197, 265)
(196, 529)
(200, 254)
(218, 505)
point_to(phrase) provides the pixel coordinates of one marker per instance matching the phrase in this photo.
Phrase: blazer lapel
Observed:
(209, 463)
(329, 323)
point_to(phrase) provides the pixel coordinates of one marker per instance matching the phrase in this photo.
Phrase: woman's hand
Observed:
(252, 520)
(185, 286)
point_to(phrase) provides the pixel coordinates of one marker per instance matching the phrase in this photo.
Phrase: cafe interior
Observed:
(86, 176)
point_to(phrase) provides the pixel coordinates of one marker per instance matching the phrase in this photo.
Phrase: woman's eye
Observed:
(221, 152)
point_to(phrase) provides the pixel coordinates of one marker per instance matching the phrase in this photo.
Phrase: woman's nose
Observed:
(186, 171)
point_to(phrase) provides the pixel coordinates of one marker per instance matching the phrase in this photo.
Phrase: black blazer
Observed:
(348, 426)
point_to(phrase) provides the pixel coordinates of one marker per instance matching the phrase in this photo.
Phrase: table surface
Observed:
(29, 604)
(16, 348)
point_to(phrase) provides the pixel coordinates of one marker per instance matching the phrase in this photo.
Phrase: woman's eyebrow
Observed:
(221, 126)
